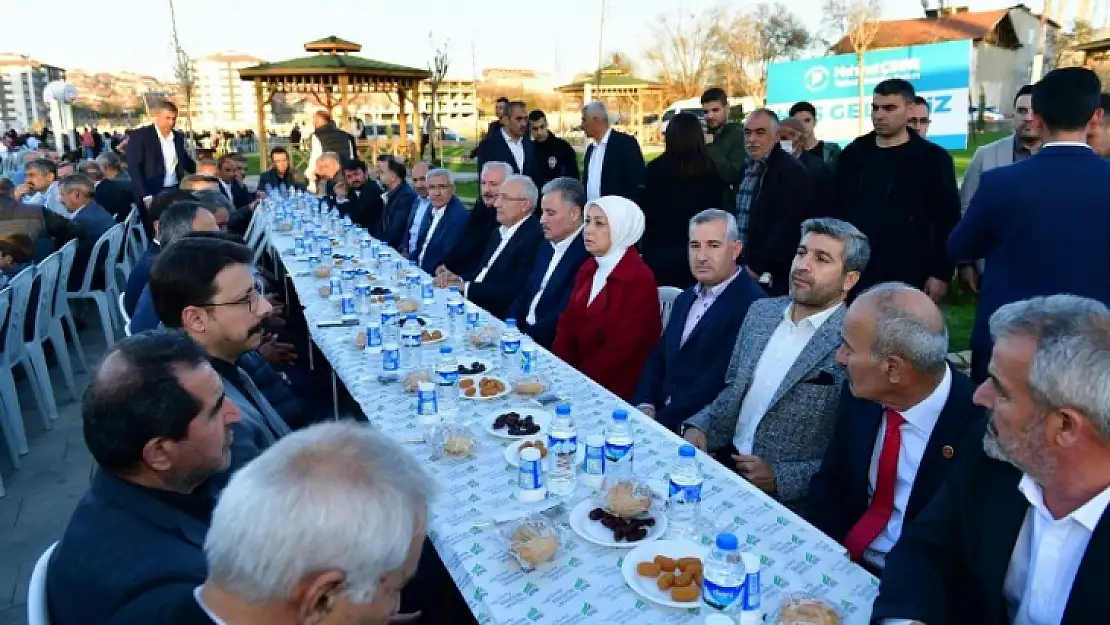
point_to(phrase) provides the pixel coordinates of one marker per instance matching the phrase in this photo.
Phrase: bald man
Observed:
(899, 424)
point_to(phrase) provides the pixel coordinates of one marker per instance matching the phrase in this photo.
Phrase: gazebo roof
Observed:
(332, 44)
(611, 77)
(332, 58)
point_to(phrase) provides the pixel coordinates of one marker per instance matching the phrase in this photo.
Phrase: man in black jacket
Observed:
(554, 156)
(364, 204)
(792, 141)
(900, 190)
(280, 173)
(771, 203)
(495, 125)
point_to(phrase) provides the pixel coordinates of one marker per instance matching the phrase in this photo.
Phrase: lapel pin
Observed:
(947, 451)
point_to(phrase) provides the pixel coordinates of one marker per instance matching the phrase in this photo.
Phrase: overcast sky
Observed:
(555, 36)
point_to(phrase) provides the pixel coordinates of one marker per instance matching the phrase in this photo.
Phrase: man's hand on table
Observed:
(277, 353)
(647, 409)
(696, 437)
(756, 471)
(446, 279)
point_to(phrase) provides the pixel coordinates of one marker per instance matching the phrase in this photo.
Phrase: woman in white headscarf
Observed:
(612, 321)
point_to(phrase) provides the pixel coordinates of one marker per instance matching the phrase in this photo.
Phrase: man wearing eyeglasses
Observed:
(205, 284)
(510, 252)
(919, 116)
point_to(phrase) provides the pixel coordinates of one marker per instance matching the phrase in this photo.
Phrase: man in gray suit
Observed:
(1008, 150)
(207, 286)
(76, 194)
(775, 416)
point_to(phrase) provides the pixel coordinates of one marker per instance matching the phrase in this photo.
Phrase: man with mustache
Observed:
(899, 423)
(206, 285)
(773, 419)
(1018, 532)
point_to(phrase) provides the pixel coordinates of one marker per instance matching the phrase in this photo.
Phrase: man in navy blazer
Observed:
(510, 253)
(686, 371)
(469, 254)
(443, 222)
(620, 170)
(546, 292)
(156, 422)
(156, 157)
(899, 423)
(511, 143)
(76, 193)
(399, 199)
(1042, 224)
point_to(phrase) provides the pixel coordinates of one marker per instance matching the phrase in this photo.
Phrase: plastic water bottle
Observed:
(427, 291)
(391, 331)
(562, 446)
(724, 573)
(529, 357)
(447, 378)
(391, 363)
(684, 505)
(410, 343)
(412, 282)
(619, 447)
(510, 345)
(362, 294)
(454, 311)
(593, 465)
(427, 410)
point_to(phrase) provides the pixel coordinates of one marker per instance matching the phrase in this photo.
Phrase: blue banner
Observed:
(940, 73)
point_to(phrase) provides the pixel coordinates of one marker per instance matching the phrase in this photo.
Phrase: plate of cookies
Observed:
(667, 572)
(484, 387)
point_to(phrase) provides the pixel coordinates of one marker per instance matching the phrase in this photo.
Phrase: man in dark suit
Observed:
(156, 422)
(495, 124)
(227, 172)
(469, 253)
(510, 252)
(555, 157)
(686, 370)
(420, 210)
(896, 431)
(1018, 532)
(1007, 217)
(546, 292)
(76, 193)
(510, 143)
(399, 202)
(773, 420)
(156, 157)
(619, 166)
(443, 222)
(280, 173)
(114, 197)
(364, 202)
(140, 273)
(772, 200)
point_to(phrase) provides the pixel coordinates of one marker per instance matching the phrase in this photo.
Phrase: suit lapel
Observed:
(1085, 600)
(826, 339)
(724, 305)
(763, 326)
(586, 162)
(943, 442)
(1008, 509)
(677, 322)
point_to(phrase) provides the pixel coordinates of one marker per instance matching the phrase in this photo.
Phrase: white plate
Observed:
(598, 534)
(469, 360)
(512, 453)
(478, 397)
(647, 587)
(429, 328)
(540, 417)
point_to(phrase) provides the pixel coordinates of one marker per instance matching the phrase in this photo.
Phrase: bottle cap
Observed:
(687, 451)
(530, 454)
(426, 387)
(411, 316)
(510, 323)
(620, 415)
(445, 350)
(454, 289)
(562, 409)
(727, 541)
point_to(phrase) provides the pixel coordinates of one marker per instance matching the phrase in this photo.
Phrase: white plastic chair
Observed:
(123, 310)
(61, 301)
(10, 419)
(256, 237)
(667, 295)
(125, 258)
(135, 233)
(47, 328)
(37, 612)
(16, 354)
(105, 299)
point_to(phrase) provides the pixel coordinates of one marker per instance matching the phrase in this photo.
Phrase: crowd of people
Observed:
(806, 352)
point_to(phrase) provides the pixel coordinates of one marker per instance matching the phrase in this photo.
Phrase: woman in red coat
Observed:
(612, 321)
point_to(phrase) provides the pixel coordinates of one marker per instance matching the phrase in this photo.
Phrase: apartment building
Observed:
(221, 99)
(22, 80)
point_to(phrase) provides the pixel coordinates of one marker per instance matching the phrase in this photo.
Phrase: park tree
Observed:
(681, 53)
(438, 68)
(183, 72)
(855, 23)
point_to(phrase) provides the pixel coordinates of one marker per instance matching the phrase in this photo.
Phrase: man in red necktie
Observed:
(898, 428)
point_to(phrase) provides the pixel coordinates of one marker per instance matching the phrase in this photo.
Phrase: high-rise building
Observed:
(22, 80)
(456, 104)
(223, 101)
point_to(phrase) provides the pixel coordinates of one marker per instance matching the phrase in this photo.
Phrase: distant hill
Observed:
(114, 92)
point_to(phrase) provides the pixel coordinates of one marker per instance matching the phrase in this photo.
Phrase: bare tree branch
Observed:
(183, 72)
(438, 68)
(857, 22)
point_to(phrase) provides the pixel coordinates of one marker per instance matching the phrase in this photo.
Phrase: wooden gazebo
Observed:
(332, 75)
(619, 91)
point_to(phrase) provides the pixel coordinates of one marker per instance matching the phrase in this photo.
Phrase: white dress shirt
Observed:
(560, 251)
(915, 433)
(1045, 559)
(783, 348)
(208, 612)
(506, 236)
(437, 214)
(51, 199)
(516, 146)
(597, 159)
(422, 205)
(702, 303)
(169, 157)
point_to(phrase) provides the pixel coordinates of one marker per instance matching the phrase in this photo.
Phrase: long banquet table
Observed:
(583, 584)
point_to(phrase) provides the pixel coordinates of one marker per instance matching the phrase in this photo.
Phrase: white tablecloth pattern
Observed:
(583, 584)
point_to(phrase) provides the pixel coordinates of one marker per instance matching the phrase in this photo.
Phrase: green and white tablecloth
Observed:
(583, 584)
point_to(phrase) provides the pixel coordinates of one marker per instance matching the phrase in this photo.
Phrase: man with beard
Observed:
(899, 190)
(900, 419)
(399, 201)
(466, 257)
(364, 205)
(495, 125)
(1018, 533)
(420, 208)
(724, 140)
(773, 420)
(555, 157)
(159, 425)
(208, 287)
